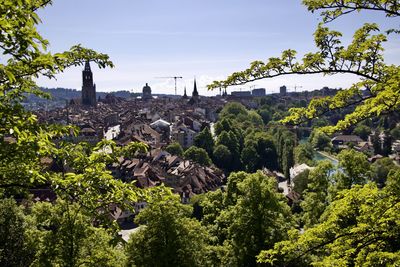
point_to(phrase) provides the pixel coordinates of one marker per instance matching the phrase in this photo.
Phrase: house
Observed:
(343, 140)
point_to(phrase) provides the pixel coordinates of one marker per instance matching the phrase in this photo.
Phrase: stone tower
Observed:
(88, 87)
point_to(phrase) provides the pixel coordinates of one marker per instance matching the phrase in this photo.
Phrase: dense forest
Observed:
(346, 215)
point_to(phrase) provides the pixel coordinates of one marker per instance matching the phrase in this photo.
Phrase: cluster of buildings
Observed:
(154, 121)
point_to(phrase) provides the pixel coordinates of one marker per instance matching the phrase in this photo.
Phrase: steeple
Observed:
(184, 94)
(195, 93)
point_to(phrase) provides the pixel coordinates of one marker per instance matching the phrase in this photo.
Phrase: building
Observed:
(88, 87)
(282, 90)
(146, 95)
(342, 140)
(258, 92)
(241, 93)
(184, 136)
(185, 95)
(195, 93)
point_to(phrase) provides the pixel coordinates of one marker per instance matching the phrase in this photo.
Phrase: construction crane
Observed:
(295, 88)
(172, 77)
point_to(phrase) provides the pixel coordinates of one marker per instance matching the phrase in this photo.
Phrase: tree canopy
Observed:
(376, 93)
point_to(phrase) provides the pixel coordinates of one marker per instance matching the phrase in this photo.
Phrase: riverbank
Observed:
(328, 156)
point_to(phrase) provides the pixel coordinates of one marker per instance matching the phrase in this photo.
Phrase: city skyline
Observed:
(207, 39)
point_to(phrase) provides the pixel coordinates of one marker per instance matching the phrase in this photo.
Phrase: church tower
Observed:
(185, 95)
(195, 93)
(88, 87)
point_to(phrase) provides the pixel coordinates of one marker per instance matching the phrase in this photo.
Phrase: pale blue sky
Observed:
(208, 39)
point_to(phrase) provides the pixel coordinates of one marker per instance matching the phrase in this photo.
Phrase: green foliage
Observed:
(381, 168)
(316, 193)
(53, 235)
(16, 246)
(266, 115)
(205, 140)
(198, 155)
(332, 9)
(362, 57)
(362, 131)
(301, 181)
(248, 217)
(222, 157)
(24, 143)
(65, 236)
(387, 144)
(232, 110)
(304, 153)
(320, 140)
(175, 149)
(376, 143)
(285, 142)
(230, 140)
(259, 151)
(395, 133)
(355, 169)
(167, 236)
(360, 228)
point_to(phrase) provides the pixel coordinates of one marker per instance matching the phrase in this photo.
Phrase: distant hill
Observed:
(59, 96)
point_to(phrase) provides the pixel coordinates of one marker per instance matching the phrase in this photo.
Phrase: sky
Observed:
(206, 39)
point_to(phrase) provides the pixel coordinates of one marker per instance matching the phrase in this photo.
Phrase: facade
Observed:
(88, 87)
(258, 92)
(241, 93)
(184, 136)
(146, 92)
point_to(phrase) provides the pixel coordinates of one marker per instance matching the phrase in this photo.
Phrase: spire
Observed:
(184, 94)
(87, 66)
(195, 92)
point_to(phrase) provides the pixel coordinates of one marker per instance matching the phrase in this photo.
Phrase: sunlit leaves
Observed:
(362, 57)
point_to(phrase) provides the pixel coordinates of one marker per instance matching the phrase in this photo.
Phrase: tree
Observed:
(380, 170)
(222, 157)
(363, 57)
(304, 153)
(24, 142)
(316, 193)
(175, 149)
(43, 234)
(205, 140)
(230, 140)
(233, 109)
(259, 151)
(260, 217)
(360, 228)
(198, 155)
(16, 246)
(167, 236)
(82, 179)
(285, 143)
(376, 142)
(265, 115)
(301, 181)
(64, 236)
(362, 131)
(320, 140)
(355, 169)
(387, 144)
